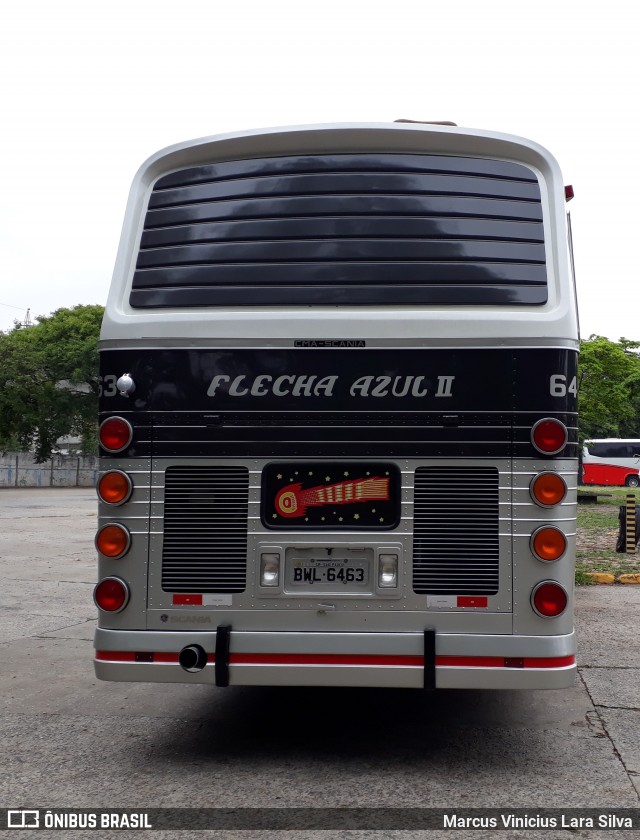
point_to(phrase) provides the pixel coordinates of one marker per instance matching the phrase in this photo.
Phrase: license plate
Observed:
(337, 575)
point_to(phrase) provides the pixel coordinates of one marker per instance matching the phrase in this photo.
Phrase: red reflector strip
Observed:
(471, 661)
(407, 661)
(349, 659)
(552, 662)
(170, 657)
(187, 600)
(322, 659)
(134, 656)
(472, 601)
(505, 662)
(115, 656)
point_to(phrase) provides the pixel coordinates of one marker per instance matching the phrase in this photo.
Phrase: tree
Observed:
(49, 380)
(632, 429)
(609, 396)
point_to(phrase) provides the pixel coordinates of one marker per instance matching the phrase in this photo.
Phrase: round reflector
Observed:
(114, 487)
(113, 540)
(548, 543)
(116, 434)
(549, 599)
(111, 594)
(548, 489)
(549, 436)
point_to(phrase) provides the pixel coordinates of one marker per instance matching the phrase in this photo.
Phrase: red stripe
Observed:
(499, 661)
(551, 662)
(130, 656)
(321, 659)
(354, 659)
(471, 661)
(166, 657)
(185, 600)
(115, 656)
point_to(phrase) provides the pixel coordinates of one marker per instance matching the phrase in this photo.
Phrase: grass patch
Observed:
(582, 578)
(597, 532)
(610, 496)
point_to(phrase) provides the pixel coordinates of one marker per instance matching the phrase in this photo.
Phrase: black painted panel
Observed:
(322, 449)
(373, 383)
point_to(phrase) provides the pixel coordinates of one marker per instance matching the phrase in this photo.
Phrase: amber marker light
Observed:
(116, 434)
(549, 436)
(549, 599)
(548, 544)
(548, 489)
(111, 595)
(113, 540)
(114, 487)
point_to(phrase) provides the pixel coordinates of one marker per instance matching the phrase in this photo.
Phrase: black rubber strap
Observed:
(223, 644)
(430, 659)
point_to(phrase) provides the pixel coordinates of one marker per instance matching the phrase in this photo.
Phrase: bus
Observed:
(338, 414)
(611, 461)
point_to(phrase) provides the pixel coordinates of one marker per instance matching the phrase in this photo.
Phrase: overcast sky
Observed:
(90, 89)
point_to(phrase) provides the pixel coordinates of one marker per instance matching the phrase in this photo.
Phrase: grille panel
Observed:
(205, 529)
(456, 531)
(344, 229)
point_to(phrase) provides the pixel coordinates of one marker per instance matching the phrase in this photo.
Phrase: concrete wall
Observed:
(19, 469)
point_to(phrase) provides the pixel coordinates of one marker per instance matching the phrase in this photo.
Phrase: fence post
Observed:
(17, 468)
(630, 524)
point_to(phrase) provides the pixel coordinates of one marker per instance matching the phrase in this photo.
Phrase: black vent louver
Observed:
(205, 529)
(344, 229)
(456, 531)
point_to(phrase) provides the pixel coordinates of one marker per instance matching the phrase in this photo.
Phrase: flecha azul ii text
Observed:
(264, 384)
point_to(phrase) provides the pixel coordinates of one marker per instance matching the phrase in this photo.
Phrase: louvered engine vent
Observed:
(205, 529)
(456, 525)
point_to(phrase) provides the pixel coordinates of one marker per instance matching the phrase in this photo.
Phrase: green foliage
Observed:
(49, 380)
(609, 397)
(9, 443)
(583, 578)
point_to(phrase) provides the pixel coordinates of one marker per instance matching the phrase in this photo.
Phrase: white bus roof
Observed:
(553, 323)
(612, 440)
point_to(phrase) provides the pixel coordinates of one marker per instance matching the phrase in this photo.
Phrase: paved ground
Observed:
(72, 741)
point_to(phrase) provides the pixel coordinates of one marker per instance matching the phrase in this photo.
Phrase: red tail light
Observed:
(116, 434)
(111, 595)
(549, 599)
(114, 487)
(548, 543)
(549, 436)
(113, 540)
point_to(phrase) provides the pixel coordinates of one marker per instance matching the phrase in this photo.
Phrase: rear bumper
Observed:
(382, 660)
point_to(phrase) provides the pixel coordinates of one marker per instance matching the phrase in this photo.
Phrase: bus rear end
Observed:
(338, 415)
